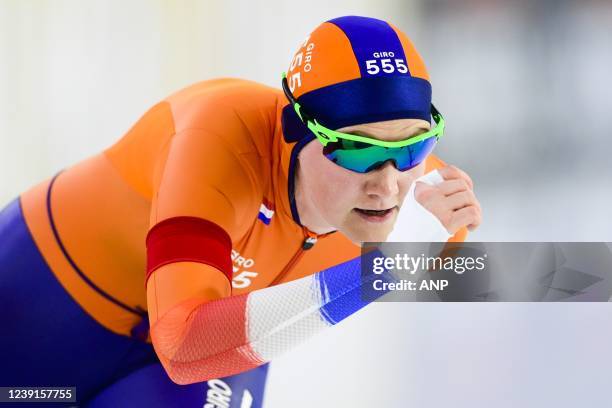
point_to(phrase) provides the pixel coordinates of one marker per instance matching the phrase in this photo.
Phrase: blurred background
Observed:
(525, 87)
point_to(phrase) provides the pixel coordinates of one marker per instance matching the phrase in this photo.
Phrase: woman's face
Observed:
(363, 207)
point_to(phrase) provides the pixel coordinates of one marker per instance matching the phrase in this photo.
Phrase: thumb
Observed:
(422, 191)
(422, 186)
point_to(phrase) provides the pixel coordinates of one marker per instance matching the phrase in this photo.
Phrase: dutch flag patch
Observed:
(266, 212)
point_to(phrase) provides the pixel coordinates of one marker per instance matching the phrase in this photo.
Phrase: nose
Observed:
(383, 182)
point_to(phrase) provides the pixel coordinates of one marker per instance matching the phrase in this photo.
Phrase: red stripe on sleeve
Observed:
(188, 239)
(211, 343)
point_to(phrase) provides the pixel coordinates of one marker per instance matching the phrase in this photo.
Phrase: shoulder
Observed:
(216, 104)
(240, 112)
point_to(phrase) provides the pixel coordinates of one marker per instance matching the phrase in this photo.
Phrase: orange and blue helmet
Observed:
(353, 70)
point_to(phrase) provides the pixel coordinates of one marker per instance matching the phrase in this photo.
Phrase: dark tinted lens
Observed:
(416, 154)
(363, 157)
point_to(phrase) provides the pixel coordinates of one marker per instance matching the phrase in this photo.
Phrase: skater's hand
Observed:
(452, 201)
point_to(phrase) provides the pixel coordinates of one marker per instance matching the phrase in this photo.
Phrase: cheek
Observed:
(333, 189)
(339, 191)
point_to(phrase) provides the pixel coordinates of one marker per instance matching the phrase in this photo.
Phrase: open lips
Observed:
(375, 215)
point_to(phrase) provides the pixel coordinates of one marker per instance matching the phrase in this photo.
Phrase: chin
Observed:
(359, 236)
(359, 232)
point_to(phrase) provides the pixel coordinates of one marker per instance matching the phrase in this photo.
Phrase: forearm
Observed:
(199, 340)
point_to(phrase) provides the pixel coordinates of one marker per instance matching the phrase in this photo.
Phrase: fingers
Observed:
(435, 197)
(451, 172)
(424, 192)
(449, 187)
(468, 216)
(461, 199)
(452, 201)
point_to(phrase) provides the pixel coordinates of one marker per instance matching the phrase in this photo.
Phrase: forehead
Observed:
(389, 130)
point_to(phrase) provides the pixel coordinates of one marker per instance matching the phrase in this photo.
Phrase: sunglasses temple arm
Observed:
(434, 112)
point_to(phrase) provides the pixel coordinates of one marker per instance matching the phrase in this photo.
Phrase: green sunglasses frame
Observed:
(326, 135)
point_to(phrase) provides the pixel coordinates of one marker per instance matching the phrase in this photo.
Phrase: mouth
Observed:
(375, 215)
